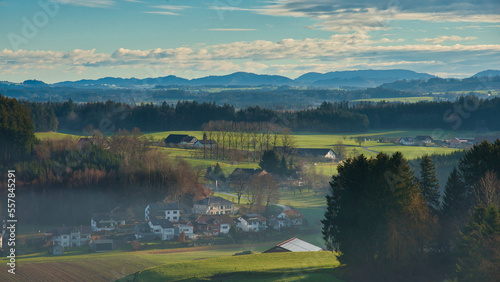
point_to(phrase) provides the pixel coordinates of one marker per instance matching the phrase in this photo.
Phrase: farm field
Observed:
(110, 266)
(261, 267)
(305, 140)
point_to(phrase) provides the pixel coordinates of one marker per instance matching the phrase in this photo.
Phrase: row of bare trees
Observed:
(239, 141)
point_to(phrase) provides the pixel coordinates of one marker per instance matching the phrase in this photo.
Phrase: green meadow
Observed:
(255, 267)
(369, 148)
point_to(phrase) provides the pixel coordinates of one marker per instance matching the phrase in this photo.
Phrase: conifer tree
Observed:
(429, 183)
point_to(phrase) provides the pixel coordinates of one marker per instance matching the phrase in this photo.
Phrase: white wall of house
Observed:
(73, 239)
(224, 228)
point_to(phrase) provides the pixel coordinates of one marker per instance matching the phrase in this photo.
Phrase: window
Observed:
(168, 212)
(225, 227)
(221, 207)
(175, 212)
(211, 208)
(175, 217)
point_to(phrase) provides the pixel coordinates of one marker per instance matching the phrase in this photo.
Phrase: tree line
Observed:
(467, 113)
(391, 224)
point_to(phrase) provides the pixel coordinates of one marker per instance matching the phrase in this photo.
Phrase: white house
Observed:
(251, 222)
(287, 218)
(214, 205)
(163, 228)
(407, 141)
(205, 143)
(72, 236)
(170, 211)
(106, 221)
(187, 228)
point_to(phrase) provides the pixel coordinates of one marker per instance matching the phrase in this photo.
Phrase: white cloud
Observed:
(366, 15)
(231, 29)
(444, 38)
(161, 13)
(89, 3)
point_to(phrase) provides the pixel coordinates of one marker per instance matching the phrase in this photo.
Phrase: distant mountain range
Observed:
(337, 79)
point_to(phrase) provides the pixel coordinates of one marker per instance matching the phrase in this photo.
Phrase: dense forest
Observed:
(467, 113)
(446, 84)
(403, 232)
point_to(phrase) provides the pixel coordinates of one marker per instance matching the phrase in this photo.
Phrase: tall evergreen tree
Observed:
(478, 250)
(429, 183)
(17, 135)
(270, 162)
(283, 171)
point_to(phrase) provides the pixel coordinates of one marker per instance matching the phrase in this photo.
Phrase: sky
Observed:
(63, 40)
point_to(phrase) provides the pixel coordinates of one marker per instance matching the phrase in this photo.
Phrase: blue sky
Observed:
(70, 40)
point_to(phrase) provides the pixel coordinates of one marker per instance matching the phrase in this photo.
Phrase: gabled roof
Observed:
(245, 174)
(253, 217)
(189, 139)
(68, 229)
(292, 213)
(220, 218)
(294, 245)
(214, 201)
(164, 206)
(175, 138)
(109, 216)
(164, 223)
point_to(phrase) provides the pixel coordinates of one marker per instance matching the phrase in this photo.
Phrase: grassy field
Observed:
(54, 135)
(110, 266)
(261, 267)
(308, 140)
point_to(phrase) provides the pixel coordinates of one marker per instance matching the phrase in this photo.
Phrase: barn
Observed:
(293, 245)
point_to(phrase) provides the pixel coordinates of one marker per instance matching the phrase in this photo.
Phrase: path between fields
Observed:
(280, 205)
(366, 148)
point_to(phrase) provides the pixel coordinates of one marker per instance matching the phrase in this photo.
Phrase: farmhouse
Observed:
(213, 205)
(251, 222)
(170, 211)
(407, 141)
(175, 138)
(187, 228)
(72, 236)
(107, 221)
(288, 218)
(424, 139)
(310, 153)
(163, 228)
(293, 245)
(214, 225)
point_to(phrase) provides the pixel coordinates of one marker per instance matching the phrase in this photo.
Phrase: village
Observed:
(205, 221)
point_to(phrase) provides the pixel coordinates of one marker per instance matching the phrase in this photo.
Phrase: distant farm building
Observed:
(102, 245)
(424, 139)
(57, 249)
(407, 141)
(310, 153)
(293, 245)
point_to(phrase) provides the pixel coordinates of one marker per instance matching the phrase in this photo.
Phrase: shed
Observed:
(102, 245)
(57, 249)
(293, 245)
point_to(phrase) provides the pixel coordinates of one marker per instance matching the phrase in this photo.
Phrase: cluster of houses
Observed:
(212, 216)
(456, 142)
(209, 217)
